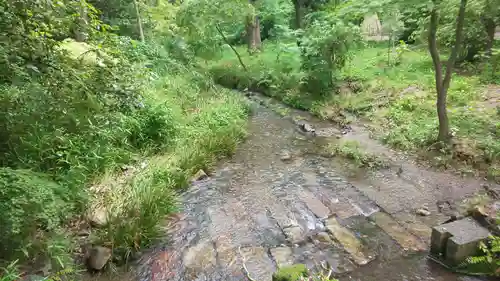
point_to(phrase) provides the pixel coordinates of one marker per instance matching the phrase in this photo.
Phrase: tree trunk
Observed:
(297, 4)
(81, 25)
(253, 32)
(490, 26)
(256, 30)
(139, 21)
(443, 83)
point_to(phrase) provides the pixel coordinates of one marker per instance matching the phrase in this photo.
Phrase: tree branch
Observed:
(231, 46)
(458, 44)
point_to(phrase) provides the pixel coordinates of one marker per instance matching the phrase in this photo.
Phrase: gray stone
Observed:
(257, 263)
(323, 237)
(285, 155)
(314, 204)
(199, 257)
(414, 225)
(33, 277)
(282, 255)
(294, 234)
(457, 240)
(200, 175)
(97, 216)
(98, 257)
(423, 212)
(306, 127)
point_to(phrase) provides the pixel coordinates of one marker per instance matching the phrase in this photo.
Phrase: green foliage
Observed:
(72, 111)
(33, 205)
(198, 20)
(353, 151)
(10, 272)
(122, 15)
(488, 263)
(291, 273)
(325, 46)
(491, 68)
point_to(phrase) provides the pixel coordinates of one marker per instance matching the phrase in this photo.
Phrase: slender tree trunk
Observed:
(139, 21)
(82, 23)
(297, 4)
(256, 30)
(490, 30)
(443, 83)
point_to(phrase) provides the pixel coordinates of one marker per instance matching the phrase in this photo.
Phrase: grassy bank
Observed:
(66, 138)
(395, 94)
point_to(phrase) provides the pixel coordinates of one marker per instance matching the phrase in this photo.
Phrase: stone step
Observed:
(404, 238)
(414, 225)
(390, 192)
(348, 240)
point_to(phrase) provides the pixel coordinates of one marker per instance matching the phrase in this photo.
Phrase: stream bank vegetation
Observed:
(103, 113)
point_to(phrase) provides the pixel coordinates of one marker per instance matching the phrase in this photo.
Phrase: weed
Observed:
(353, 151)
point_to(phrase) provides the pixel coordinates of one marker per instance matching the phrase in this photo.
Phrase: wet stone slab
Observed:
(334, 256)
(283, 256)
(404, 238)
(314, 204)
(199, 258)
(348, 240)
(376, 242)
(414, 225)
(257, 262)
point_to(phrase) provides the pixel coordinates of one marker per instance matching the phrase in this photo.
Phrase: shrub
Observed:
(29, 202)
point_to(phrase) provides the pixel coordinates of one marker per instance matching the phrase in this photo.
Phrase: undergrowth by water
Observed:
(67, 136)
(396, 95)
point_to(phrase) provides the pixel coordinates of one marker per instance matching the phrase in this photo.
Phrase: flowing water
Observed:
(277, 201)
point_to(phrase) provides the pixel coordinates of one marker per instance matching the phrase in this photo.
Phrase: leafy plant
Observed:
(325, 46)
(488, 263)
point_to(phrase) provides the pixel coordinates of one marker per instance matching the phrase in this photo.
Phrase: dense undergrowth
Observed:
(397, 97)
(72, 114)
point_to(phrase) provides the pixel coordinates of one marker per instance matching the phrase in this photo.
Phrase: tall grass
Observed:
(66, 137)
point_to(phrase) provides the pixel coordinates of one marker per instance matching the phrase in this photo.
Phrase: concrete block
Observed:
(457, 240)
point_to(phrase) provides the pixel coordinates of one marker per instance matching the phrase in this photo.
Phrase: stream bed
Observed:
(278, 201)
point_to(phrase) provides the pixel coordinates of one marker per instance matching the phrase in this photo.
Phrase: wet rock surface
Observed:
(261, 209)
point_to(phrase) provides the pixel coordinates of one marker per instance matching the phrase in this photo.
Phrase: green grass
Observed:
(211, 124)
(354, 151)
(397, 98)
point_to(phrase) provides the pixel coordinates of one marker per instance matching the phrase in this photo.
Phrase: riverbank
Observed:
(394, 96)
(97, 177)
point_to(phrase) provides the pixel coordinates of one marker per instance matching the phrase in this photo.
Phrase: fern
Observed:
(488, 263)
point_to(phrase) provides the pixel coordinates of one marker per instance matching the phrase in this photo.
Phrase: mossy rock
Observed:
(290, 273)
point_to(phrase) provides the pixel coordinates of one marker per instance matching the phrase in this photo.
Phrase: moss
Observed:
(290, 273)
